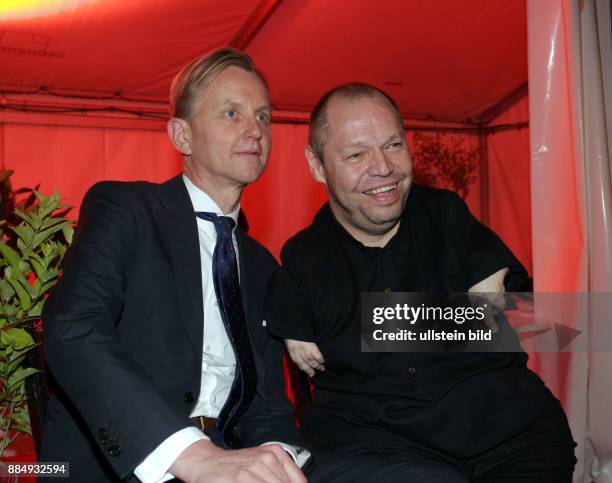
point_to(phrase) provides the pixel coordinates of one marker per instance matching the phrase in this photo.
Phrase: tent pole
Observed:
(259, 16)
(512, 98)
(484, 175)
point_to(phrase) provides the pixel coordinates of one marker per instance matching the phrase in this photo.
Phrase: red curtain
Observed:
(70, 159)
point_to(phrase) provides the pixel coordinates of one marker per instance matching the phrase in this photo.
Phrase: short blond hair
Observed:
(189, 82)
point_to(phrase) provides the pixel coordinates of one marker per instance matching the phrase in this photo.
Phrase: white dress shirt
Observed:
(218, 359)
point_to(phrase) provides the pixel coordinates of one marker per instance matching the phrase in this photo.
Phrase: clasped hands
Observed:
(203, 462)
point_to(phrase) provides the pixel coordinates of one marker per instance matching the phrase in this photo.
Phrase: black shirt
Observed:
(459, 404)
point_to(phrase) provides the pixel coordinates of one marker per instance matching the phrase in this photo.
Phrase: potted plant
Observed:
(33, 242)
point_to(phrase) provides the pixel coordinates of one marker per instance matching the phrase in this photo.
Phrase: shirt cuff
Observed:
(299, 455)
(154, 468)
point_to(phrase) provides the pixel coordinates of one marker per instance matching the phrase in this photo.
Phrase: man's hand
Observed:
(203, 462)
(306, 355)
(493, 290)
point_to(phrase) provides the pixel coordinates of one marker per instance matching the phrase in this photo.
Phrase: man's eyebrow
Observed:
(231, 103)
(359, 143)
(354, 144)
(397, 136)
(234, 103)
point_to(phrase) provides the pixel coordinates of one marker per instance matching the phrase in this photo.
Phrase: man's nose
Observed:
(380, 165)
(253, 128)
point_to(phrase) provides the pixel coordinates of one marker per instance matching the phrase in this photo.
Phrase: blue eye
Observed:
(262, 117)
(231, 114)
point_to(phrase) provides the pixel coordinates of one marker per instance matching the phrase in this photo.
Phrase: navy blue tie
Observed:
(227, 289)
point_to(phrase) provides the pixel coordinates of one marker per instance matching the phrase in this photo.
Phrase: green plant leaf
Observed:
(6, 291)
(31, 217)
(24, 297)
(21, 245)
(24, 268)
(38, 266)
(10, 310)
(36, 311)
(16, 361)
(61, 250)
(11, 256)
(47, 286)
(43, 235)
(48, 204)
(68, 231)
(52, 220)
(19, 338)
(19, 375)
(17, 358)
(25, 233)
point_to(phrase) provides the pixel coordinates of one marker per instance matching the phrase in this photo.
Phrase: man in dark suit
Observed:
(158, 315)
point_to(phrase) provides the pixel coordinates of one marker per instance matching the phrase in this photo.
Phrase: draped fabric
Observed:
(570, 62)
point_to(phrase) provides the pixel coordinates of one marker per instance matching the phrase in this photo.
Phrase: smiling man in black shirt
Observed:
(437, 417)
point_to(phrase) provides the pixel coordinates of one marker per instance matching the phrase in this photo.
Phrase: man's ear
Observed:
(316, 166)
(180, 135)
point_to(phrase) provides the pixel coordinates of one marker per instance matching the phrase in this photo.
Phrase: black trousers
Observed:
(542, 453)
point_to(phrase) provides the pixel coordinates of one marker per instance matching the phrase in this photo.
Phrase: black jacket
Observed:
(123, 333)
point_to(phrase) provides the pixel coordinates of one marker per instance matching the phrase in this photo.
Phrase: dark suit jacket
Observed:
(123, 333)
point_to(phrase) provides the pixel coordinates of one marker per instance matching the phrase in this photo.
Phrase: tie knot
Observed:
(223, 224)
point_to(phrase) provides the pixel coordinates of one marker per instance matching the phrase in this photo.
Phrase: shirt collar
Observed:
(202, 202)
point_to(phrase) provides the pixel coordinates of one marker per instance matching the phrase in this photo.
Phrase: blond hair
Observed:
(189, 82)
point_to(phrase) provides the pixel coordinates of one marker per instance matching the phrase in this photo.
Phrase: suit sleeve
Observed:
(271, 417)
(119, 402)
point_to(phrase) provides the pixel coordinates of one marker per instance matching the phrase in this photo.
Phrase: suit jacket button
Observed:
(102, 434)
(188, 397)
(114, 450)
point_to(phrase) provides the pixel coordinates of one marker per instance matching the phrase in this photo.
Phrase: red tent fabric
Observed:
(84, 87)
(85, 83)
(448, 59)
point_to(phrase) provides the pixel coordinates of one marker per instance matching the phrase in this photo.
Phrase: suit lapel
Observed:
(181, 230)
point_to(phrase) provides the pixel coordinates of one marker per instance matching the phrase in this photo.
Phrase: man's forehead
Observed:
(355, 114)
(235, 86)
(359, 109)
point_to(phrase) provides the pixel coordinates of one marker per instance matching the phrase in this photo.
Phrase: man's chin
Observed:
(378, 225)
(384, 216)
(251, 174)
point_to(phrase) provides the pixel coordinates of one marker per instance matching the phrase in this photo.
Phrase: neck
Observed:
(369, 239)
(226, 197)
